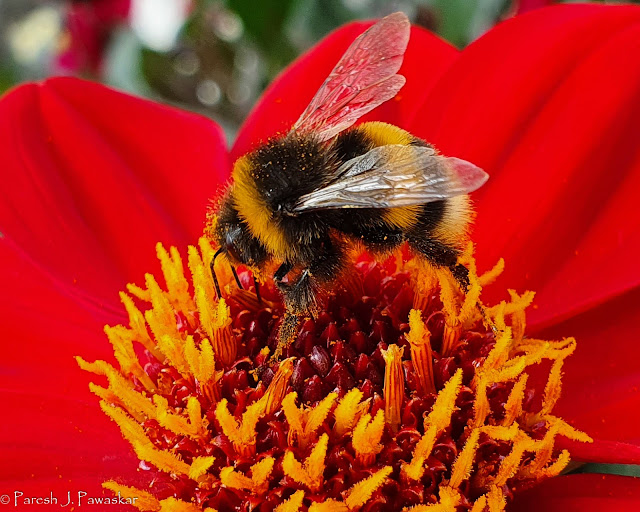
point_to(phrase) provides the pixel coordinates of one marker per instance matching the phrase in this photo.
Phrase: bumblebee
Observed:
(304, 198)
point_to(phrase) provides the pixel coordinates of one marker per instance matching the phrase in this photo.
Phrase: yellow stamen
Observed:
(121, 339)
(200, 466)
(480, 504)
(177, 284)
(511, 462)
(553, 388)
(161, 318)
(202, 366)
(496, 500)
(278, 386)
(193, 428)
(393, 386)
(176, 505)
(518, 317)
(258, 483)
(311, 473)
(173, 349)
(490, 276)
(419, 338)
(361, 492)
(140, 499)
(439, 419)
(464, 462)
(330, 505)
(304, 422)
(243, 435)
(366, 437)
(132, 400)
(513, 407)
(348, 411)
(293, 504)
(138, 324)
(449, 499)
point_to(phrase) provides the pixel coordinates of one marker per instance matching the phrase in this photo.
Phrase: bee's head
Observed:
(234, 238)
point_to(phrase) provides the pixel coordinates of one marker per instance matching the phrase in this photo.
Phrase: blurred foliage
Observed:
(211, 56)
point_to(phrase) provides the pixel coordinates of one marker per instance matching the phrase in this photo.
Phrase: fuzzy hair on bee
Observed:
(303, 199)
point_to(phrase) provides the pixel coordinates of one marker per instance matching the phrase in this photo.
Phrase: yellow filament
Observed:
(303, 422)
(393, 386)
(361, 492)
(293, 504)
(258, 483)
(243, 435)
(464, 462)
(419, 338)
(348, 411)
(367, 436)
(278, 386)
(438, 419)
(140, 499)
(311, 473)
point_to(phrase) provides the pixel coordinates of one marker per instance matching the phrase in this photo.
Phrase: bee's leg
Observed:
(300, 295)
(235, 275)
(461, 274)
(256, 285)
(288, 327)
(280, 274)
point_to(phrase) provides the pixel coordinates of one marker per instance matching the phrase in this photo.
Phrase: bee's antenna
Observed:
(257, 286)
(235, 275)
(213, 273)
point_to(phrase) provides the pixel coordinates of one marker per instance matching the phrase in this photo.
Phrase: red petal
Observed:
(48, 438)
(601, 383)
(290, 93)
(581, 493)
(59, 441)
(94, 178)
(547, 104)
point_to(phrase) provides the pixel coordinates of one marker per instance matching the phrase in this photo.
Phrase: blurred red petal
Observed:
(529, 5)
(290, 93)
(581, 493)
(547, 104)
(93, 178)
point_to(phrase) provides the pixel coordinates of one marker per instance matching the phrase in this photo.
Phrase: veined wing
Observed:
(395, 175)
(364, 78)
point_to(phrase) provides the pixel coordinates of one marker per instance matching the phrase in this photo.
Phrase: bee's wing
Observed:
(395, 175)
(364, 78)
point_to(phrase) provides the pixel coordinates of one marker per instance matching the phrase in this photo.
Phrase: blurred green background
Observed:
(210, 56)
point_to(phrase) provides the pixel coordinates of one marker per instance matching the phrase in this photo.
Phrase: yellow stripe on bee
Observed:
(255, 212)
(454, 226)
(403, 217)
(381, 134)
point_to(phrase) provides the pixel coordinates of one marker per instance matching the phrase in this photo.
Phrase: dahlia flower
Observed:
(397, 395)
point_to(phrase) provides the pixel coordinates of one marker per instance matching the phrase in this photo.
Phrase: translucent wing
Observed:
(395, 175)
(364, 78)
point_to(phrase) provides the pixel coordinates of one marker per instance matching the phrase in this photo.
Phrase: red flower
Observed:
(89, 26)
(547, 103)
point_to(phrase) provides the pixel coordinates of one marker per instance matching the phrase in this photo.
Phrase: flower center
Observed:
(397, 395)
